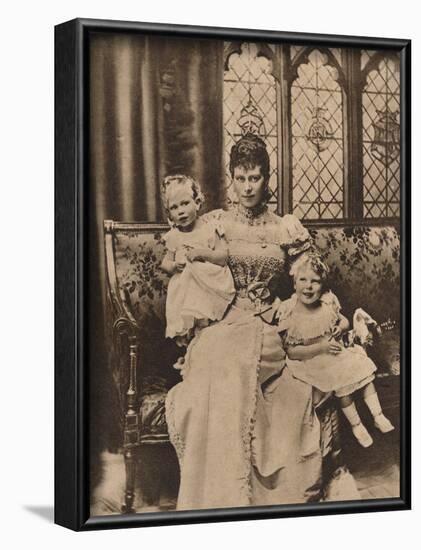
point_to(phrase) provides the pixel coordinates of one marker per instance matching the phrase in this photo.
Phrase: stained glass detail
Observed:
(317, 140)
(295, 51)
(250, 105)
(337, 52)
(366, 55)
(381, 141)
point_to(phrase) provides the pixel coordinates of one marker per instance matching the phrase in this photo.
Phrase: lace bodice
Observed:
(259, 247)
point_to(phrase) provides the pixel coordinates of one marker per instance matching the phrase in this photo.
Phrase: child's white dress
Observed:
(203, 291)
(343, 373)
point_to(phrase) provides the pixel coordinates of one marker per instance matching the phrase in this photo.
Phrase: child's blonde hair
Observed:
(181, 179)
(314, 262)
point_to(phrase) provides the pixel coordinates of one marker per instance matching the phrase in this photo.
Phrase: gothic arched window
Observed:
(330, 119)
(317, 136)
(381, 136)
(250, 105)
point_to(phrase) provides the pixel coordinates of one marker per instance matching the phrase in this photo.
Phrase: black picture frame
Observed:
(71, 290)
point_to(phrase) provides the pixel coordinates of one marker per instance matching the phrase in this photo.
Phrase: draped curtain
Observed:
(155, 109)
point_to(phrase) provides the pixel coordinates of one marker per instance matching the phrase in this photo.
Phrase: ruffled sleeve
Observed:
(284, 311)
(297, 238)
(332, 301)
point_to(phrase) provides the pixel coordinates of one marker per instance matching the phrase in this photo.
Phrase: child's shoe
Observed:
(358, 428)
(362, 436)
(383, 424)
(380, 421)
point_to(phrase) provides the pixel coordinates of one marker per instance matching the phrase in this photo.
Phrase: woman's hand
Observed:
(197, 255)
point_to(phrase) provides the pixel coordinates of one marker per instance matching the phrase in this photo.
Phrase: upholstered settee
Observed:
(365, 270)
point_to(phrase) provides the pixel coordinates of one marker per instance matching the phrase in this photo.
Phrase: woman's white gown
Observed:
(244, 429)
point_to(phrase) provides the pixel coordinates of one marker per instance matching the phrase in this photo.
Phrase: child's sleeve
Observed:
(170, 240)
(336, 304)
(283, 314)
(331, 299)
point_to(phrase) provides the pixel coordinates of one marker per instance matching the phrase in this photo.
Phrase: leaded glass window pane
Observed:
(338, 54)
(250, 105)
(317, 140)
(366, 55)
(295, 51)
(381, 141)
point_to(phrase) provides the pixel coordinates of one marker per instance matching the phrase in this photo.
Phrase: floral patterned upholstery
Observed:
(365, 272)
(138, 256)
(364, 263)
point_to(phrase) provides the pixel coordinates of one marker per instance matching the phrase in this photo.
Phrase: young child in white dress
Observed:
(311, 325)
(201, 286)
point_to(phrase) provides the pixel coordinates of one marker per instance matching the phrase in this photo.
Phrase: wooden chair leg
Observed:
(131, 432)
(130, 459)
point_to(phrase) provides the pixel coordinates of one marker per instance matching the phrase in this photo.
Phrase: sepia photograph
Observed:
(244, 271)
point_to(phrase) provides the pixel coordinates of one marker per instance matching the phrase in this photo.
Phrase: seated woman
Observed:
(244, 429)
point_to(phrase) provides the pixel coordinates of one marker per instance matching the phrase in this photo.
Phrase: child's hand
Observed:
(197, 255)
(332, 347)
(180, 260)
(336, 332)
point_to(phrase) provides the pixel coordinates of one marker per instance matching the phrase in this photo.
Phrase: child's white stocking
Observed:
(358, 428)
(351, 414)
(380, 421)
(373, 403)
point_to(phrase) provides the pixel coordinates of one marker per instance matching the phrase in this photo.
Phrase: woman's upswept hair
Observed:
(314, 262)
(248, 152)
(181, 179)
